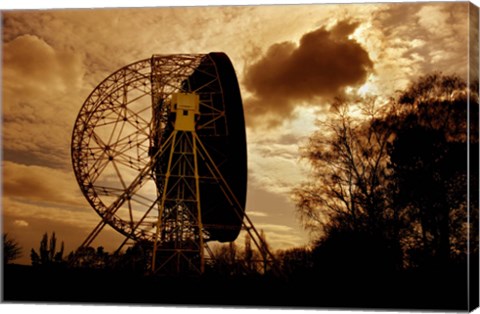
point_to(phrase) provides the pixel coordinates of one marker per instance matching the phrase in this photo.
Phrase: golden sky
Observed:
(290, 60)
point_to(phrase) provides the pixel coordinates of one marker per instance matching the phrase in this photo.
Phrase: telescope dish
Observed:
(159, 151)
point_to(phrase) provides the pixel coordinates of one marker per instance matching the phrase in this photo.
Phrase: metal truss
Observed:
(120, 137)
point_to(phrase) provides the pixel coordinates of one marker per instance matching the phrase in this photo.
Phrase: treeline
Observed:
(227, 260)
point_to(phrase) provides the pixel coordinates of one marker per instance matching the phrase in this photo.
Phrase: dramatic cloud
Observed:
(324, 63)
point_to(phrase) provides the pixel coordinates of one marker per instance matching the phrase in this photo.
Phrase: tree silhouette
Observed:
(349, 189)
(296, 262)
(87, 257)
(429, 165)
(48, 254)
(391, 181)
(249, 256)
(232, 260)
(11, 249)
(137, 258)
(225, 259)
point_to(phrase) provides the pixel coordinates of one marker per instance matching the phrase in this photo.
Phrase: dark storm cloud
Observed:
(322, 65)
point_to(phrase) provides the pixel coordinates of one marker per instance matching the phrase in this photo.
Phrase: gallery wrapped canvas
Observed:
(302, 156)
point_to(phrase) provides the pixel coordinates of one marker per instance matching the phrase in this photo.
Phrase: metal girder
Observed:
(140, 174)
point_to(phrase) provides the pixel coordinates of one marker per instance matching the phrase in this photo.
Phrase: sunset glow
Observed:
(291, 61)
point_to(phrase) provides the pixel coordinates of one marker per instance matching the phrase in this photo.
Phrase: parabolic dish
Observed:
(122, 124)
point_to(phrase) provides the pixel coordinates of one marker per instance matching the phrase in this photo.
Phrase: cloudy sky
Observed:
(290, 60)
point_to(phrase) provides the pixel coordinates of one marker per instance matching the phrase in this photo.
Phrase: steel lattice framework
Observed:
(111, 144)
(145, 177)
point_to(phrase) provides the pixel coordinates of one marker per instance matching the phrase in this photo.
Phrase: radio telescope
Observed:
(159, 152)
